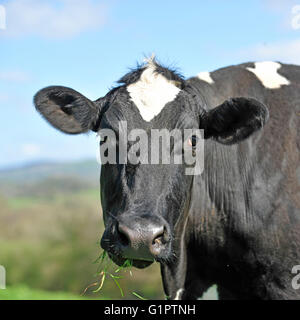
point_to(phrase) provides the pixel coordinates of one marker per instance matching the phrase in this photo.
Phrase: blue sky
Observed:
(89, 44)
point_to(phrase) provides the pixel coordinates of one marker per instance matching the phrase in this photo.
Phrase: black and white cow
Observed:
(237, 224)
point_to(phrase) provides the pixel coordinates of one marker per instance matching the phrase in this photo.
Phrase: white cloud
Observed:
(13, 76)
(30, 149)
(53, 19)
(279, 5)
(285, 9)
(285, 51)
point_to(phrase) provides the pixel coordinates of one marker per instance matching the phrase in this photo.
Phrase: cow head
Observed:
(145, 205)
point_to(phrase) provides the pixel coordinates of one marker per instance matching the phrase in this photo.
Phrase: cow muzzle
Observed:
(138, 240)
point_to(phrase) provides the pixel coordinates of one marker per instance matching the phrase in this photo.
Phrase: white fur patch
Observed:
(152, 92)
(179, 294)
(210, 294)
(267, 73)
(205, 76)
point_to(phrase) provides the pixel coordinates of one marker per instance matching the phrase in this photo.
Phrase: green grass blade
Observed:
(118, 285)
(102, 282)
(139, 296)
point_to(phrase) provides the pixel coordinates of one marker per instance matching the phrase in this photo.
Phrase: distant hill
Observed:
(37, 178)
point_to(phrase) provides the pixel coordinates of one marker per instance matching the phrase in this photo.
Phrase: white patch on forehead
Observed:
(179, 294)
(267, 73)
(152, 92)
(205, 76)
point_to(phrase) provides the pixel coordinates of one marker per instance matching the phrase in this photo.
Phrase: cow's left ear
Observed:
(234, 120)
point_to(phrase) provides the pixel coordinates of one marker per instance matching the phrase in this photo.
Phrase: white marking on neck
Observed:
(179, 294)
(205, 76)
(267, 73)
(152, 92)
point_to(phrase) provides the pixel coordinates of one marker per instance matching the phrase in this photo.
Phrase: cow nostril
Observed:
(157, 241)
(159, 237)
(123, 236)
(124, 240)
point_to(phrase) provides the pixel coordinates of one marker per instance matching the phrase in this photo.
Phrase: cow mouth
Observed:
(137, 263)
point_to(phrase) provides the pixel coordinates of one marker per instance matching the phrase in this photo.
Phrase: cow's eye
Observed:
(193, 141)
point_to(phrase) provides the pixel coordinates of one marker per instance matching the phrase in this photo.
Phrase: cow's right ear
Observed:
(66, 109)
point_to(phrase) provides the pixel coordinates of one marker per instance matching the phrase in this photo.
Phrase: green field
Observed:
(25, 293)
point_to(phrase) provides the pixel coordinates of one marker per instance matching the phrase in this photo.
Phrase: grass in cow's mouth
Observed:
(104, 272)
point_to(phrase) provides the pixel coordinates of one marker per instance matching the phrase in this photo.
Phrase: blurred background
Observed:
(50, 212)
